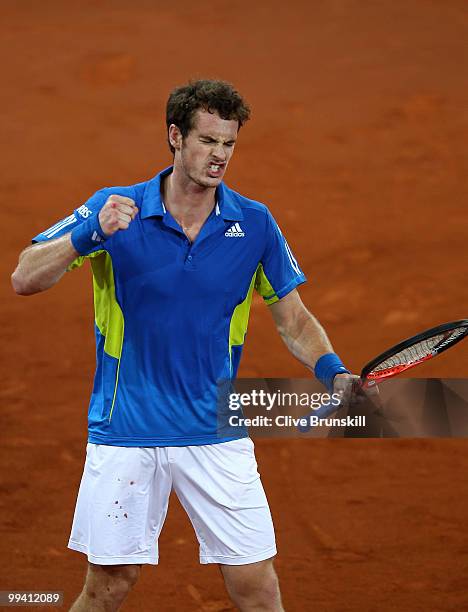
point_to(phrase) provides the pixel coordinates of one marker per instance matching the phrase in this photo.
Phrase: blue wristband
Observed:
(88, 235)
(327, 367)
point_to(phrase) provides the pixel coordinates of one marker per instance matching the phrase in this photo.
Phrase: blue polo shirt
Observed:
(171, 315)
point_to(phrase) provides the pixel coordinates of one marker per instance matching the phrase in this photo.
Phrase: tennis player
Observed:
(175, 261)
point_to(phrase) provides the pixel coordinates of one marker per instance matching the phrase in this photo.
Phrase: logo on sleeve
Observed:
(235, 231)
(84, 211)
(96, 237)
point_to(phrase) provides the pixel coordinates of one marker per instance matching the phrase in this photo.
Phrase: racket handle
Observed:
(325, 410)
(322, 412)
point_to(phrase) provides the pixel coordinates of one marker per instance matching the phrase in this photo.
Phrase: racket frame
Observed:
(373, 379)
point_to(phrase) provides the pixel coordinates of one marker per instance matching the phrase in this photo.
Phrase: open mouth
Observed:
(216, 169)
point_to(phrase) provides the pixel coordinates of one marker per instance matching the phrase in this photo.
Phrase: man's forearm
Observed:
(42, 265)
(306, 339)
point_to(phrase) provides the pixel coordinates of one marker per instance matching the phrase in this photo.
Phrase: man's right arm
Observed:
(43, 264)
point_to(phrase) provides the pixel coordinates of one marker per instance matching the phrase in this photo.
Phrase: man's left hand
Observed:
(350, 391)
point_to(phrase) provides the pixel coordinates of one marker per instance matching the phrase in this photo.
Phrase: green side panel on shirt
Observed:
(108, 314)
(79, 261)
(263, 286)
(240, 318)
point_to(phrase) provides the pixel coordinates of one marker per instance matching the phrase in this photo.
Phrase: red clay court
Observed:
(358, 145)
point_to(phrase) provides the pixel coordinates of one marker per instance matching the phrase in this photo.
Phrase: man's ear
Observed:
(175, 136)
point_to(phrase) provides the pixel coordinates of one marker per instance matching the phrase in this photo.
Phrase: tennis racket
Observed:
(403, 356)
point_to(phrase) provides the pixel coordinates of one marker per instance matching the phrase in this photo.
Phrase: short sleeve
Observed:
(79, 215)
(278, 273)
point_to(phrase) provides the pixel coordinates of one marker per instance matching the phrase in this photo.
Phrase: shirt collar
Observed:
(153, 206)
(227, 204)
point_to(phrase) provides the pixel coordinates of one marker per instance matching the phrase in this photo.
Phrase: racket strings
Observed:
(415, 350)
(411, 354)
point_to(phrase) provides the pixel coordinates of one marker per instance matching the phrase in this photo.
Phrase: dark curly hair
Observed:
(211, 95)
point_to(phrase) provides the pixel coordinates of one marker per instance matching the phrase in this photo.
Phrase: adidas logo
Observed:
(96, 237)
(235, 231)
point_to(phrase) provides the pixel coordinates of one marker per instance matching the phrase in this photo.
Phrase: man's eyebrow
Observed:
(208, 137)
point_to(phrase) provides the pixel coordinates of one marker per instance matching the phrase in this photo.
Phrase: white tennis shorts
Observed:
(124, 494)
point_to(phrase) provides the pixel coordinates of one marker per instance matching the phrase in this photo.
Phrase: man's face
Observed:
(204, 153)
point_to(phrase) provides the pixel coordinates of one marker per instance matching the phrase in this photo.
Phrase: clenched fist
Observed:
(117, 214)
